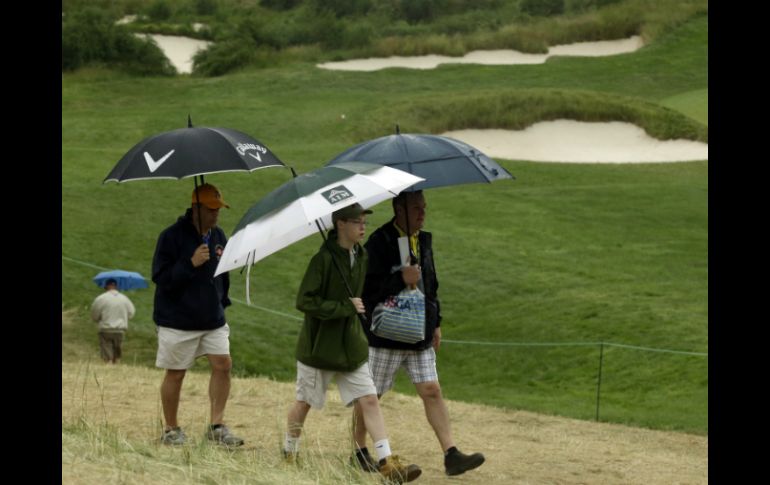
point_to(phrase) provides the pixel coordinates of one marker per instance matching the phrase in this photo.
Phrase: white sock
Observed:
(382, 448)
(290, 443)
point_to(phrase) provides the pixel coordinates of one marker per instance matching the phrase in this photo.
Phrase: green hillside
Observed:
(566, 253)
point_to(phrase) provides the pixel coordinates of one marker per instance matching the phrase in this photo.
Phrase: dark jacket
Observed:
(188, 298)
(383, 280)
(331, 337)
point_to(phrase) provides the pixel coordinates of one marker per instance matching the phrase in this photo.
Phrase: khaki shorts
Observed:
(178, 349)
(312, 384)
(110, 345)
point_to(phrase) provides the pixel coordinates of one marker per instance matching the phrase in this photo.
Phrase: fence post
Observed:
(599, 379)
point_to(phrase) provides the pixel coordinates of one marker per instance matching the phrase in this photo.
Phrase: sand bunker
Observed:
(179, 50)
(581, 142)
(126, 19)
(491, 57)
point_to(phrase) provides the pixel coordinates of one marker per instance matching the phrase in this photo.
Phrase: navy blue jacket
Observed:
(188, 298)
(382, 281)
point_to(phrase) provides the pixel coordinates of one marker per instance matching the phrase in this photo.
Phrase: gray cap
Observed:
(349, 212)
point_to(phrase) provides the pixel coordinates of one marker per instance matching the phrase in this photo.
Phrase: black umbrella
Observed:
(188, 152)
(440, 160)
(192, 152)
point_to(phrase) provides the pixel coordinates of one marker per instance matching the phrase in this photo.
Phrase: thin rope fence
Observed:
(600, 346)
(459, 342)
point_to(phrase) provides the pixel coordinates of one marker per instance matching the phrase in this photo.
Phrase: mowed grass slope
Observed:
(563, 254)
(111, 424)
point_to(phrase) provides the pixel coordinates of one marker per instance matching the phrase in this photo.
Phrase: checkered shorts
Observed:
(420, 365)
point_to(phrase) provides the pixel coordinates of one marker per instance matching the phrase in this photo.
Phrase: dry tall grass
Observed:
(111, 419)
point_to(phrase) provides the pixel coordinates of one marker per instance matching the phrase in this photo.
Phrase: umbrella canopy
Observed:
(440, 160)
(300, 206)
(126, 280)
(188, 152)
(192, 152)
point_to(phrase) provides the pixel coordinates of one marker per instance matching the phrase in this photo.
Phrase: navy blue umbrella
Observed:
(126, 280)
(440, 160)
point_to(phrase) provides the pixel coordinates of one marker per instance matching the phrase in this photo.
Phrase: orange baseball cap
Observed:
(209, 196)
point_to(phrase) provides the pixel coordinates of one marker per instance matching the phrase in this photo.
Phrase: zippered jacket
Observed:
(331, 337)
(383, 279)
(188, 298)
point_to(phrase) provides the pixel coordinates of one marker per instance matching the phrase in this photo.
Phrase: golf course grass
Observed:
(570, 255)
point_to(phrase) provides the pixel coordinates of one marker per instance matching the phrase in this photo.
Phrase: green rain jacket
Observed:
(332, 337)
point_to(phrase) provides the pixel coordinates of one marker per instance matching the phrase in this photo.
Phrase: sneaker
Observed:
(221, 434)
(456, 462)
(364, 461)
(392, 469)
(173, 436)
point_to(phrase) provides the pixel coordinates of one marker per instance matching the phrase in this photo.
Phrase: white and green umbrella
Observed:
(303, 205)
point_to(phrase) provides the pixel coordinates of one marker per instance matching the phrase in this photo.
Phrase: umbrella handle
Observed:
(198, 208)
(412, 257)
(248, 277)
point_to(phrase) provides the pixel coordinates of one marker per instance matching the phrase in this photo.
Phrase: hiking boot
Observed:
(456, 462)
(392, 469)
(173, 436)
(290, 457)
(364, 461)
(221, 434)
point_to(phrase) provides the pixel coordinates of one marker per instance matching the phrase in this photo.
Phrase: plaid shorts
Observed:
(420, 365)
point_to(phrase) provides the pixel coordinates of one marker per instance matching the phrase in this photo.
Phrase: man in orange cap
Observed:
(190, 311)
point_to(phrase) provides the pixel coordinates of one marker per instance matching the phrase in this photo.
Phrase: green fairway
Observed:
(566, 253)
(694, 104)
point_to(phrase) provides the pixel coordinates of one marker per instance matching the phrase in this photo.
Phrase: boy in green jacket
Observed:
(332, 343)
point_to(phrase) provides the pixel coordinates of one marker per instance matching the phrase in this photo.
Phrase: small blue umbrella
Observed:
(127, 280)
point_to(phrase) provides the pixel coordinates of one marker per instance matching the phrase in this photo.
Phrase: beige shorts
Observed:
(312, 384)
(178, 349)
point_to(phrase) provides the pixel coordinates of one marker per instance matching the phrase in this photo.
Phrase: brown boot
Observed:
(290, 457)
(392, 469)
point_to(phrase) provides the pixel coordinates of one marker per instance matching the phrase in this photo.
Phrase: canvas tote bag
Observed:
(401, 317)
